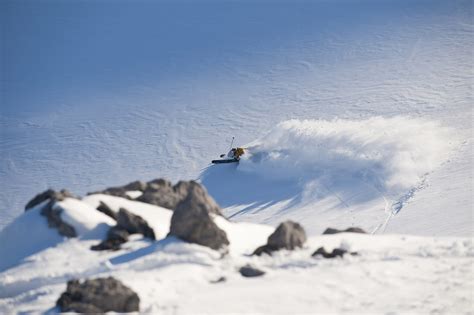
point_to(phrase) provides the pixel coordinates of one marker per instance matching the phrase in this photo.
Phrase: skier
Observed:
(233, 155)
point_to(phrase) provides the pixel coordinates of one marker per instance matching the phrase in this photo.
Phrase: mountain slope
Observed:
(321, 61)
(400, 273)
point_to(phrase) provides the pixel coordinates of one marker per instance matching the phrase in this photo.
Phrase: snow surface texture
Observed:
(346, 172)
(157, 89)
(391, 273)
(236, 69)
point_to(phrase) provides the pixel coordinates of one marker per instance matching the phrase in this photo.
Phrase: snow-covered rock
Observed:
(157, 218)
(30, 233)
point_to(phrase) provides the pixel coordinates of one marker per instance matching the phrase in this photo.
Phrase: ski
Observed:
(224, 161)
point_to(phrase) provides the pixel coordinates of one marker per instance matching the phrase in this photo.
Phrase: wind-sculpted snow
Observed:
(338, 165)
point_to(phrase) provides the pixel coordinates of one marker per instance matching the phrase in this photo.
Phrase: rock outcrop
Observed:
(50, 195)
(192, 219)
(159, 192)
(288, 235)
(127, 223)
(349, 230)
(51, 211)
(121, 191)
(98, 296)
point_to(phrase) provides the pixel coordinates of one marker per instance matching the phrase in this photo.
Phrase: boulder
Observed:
(250, 272)
(159, 183)
(136, 185)
(197, 197)
(288, 235)
(134, 224)
(115, 237)
(98, 296)
(192, 221)
(48, 195)
(349, 230)
(160, 192)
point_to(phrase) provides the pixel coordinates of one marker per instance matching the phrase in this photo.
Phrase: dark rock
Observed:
(192, 222)
(265, 249)
(118, 233)
(250, 272)
(82, 308)
(134, 224)
(161, 193)
(197, 197)
(158, 183)
(115, 238)
(53, 214)
(349, 230)
(105, 209)
(336, 252)
(182, 187)
(121, 191)
(107, 245)
(98, 296)
(48, 195)
(288, 235)
(136, 185)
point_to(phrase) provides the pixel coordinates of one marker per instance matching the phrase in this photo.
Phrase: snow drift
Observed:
(332, 165)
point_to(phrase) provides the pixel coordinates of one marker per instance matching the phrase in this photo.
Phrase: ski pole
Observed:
(231, 143)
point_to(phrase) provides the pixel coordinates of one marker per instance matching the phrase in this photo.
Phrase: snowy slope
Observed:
(353, 113)
(340, 172)
(390, 273)
(250, 68)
